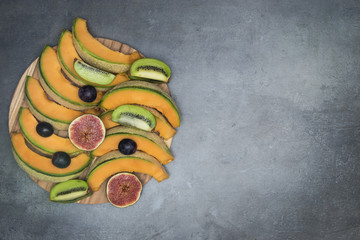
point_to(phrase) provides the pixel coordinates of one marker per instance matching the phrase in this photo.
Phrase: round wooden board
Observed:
(18, 100)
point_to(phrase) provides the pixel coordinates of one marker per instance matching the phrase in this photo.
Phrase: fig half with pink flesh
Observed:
(123, 190)
(87, 132)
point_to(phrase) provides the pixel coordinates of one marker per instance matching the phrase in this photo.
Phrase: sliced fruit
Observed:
(57, 86)
(147, 142)
(146, 80)
(150, 68)
(87, 132)
(163, 127)
(41, 167)
(142, 93)
(106, 119)
(134, 116)
(45, 110)
(69, 191)
(115, 162)
(92, 74)
(51, 144)
(96, 54)
(123, 190)
(67, 54)
(94, 111)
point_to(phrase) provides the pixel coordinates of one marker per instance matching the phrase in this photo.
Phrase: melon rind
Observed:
(108, 99)
(159, 176)
(95, 60)
(43, 176)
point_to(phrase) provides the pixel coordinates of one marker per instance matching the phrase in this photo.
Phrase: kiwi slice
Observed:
(69, 191)
(145, 79)
(150, 69)
(134, 116)
(92, 74)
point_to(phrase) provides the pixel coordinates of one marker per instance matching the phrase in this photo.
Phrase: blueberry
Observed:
(127, 146)
(61, 160)
(44, 129)
(87, 93)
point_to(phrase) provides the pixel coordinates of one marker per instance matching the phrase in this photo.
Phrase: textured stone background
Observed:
(269, 97)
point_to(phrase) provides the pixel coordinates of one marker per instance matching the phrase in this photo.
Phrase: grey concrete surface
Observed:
(269, 98)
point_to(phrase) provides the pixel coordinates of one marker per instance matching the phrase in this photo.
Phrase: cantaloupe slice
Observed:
(115, 162)
(142, 93)
(45, 110)
(163, 127)
(147, 142)
(41, 167)
(96, 54)
(48, 145)
(57, 86)
(67, 54)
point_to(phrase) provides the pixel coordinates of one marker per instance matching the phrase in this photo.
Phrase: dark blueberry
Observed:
(61, 160)
(87, 93)
(127, 146)
(44, 129)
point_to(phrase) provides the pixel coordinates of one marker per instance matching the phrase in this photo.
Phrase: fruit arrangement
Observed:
(94, 121)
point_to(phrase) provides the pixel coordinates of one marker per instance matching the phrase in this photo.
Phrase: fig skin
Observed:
(127, 182)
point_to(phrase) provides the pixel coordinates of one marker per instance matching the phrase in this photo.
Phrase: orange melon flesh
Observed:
(68, 54)
(111, 167)
(93, 111)
(49, 144)
(164, 129)
(119, 78)
(140, 96)
(111, 143)
(106, 119)
(44, 164)
(51, 71)
(95, 47)
(42, 104)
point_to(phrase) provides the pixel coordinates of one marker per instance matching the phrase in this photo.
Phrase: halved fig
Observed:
(69, 191)
(87, 132)
(123, 190)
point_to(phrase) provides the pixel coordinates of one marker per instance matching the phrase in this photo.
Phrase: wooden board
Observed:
(18, 100)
